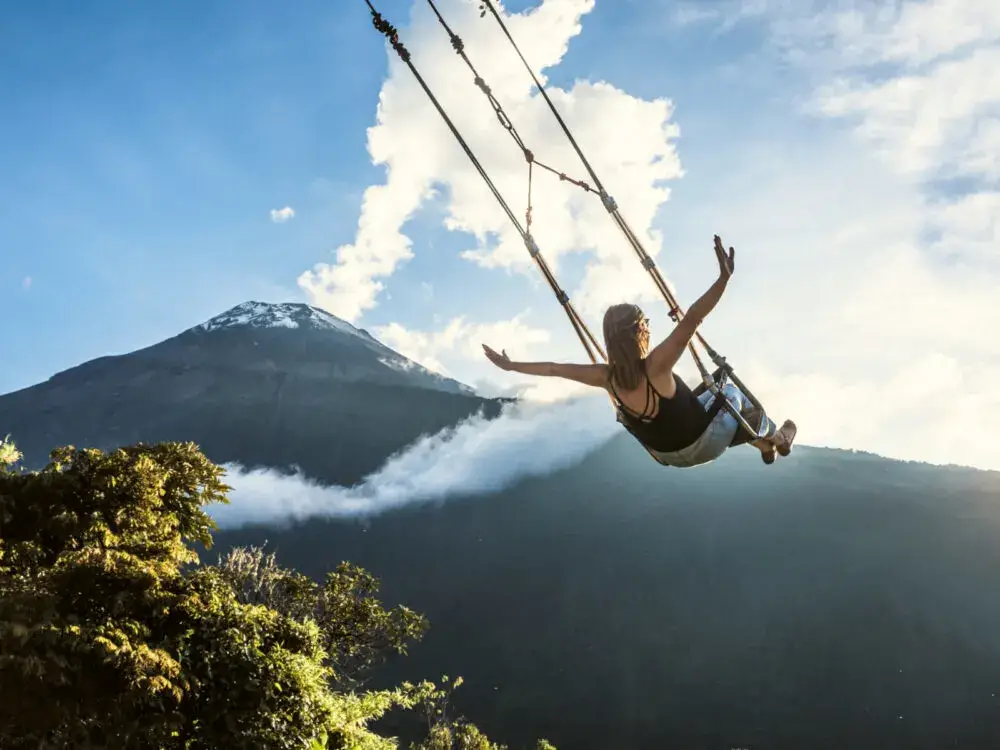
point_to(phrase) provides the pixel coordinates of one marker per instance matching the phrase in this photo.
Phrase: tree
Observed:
(9, 454)
(446, 732)
(113, 636)
(357, 632)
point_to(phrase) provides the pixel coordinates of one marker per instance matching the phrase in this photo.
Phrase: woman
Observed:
(654, 404)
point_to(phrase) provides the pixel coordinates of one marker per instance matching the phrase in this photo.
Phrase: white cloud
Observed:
(536, 390)
(919, 83)
(477, 457)
(935, 409)
(688, 14)
(941, 119)
(969, 227)
(461, 341)
(865, 300)
(281, 215)
(422, 159)
(456, 350)
(910, 32)
(904, 365)
(723, 15)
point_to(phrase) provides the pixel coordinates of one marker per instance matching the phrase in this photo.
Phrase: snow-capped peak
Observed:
(283, 315)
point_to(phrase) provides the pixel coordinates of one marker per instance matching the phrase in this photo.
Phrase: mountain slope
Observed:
(833, 600)
(263, 384)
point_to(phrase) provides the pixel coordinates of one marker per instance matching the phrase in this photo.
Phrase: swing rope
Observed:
(724, 370)
(583, 332)
(587, 339)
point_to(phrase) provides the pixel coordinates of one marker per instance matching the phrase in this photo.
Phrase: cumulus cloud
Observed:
(422, 160)
(477, 457)
(866, 291)
(281, 215)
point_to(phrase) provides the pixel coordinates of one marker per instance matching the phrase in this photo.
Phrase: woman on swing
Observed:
(653, 402)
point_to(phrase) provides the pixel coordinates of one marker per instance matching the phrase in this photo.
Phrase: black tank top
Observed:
(679, 421)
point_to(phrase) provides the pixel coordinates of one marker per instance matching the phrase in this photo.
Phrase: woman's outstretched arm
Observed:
(592, 375)
(665, 355)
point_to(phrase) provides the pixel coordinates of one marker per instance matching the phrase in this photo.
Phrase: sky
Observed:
(162, 163)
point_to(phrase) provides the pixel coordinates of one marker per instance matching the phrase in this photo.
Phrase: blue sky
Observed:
(144, 156)
(146, 145)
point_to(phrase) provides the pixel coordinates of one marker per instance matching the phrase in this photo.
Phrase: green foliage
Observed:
(112, 636)
(445, 732)
(358, 633)
(9, 454)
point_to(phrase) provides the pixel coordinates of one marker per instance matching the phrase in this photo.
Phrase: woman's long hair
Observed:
(626, 338)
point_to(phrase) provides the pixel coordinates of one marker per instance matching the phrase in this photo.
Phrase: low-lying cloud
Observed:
(477, 457)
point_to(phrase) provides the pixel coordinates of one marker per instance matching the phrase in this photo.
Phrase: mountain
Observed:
(262, 384)
(832, 600)
(323, 347)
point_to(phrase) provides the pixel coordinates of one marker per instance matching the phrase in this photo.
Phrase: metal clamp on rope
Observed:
(562, 297)
(649, 264)
(717, 359)
(529, 242)
(609, 202)
(483, 85)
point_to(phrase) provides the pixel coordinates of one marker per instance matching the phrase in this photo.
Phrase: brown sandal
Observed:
(784, 437)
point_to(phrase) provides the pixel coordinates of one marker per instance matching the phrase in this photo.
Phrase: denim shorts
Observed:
(717, 436)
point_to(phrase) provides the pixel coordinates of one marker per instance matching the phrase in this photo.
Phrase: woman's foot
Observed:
(767, 450)
(784, 437)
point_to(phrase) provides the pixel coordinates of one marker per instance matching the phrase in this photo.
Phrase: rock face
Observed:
(262, 384)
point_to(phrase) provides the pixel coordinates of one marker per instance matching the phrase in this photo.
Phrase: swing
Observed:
(723, 378)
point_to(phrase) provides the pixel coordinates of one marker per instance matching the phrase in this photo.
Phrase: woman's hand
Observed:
(727, 261)
(500, 360)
